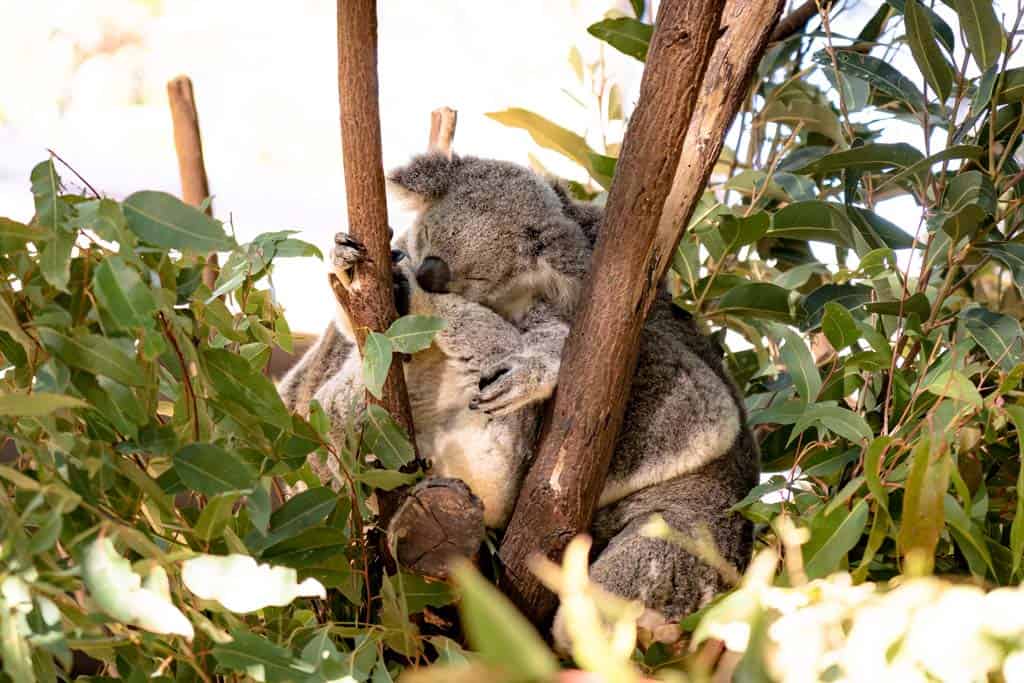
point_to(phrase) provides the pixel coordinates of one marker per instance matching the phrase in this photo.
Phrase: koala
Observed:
(488, 453)
(498, 234)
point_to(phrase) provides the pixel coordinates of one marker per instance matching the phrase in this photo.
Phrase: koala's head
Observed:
(494, 232)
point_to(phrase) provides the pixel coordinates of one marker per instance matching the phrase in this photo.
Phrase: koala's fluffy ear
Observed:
(587, 214)
(425, 179)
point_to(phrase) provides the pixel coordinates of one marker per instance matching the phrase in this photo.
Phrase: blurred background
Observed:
(87, 79)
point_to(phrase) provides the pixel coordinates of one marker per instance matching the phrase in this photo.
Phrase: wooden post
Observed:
(188, 146)
(632, 251)
(369, 300)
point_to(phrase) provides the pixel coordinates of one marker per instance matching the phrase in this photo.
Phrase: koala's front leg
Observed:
(530, 374)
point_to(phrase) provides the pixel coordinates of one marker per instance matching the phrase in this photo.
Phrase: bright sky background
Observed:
(87, 78)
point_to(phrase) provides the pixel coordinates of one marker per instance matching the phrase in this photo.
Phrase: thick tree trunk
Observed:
(651, 199)
(371, 303)
(561, 489)
(188, 146)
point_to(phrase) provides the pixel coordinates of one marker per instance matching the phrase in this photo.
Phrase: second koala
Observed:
(500, 235)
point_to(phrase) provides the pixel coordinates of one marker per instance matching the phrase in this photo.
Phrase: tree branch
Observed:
(794, 22)
(188, 146)
(370, 302)
(561, 489)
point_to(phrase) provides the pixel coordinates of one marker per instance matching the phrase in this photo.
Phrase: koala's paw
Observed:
(347, 254)
(514, 382)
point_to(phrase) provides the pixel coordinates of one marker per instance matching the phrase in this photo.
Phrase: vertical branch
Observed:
(561, 489)
(370, 301)
(188, 146)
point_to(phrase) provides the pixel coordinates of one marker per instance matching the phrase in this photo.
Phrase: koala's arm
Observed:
(321, 362)
(528, 374)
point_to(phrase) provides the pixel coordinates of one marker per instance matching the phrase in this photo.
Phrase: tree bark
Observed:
(745, 33)
(188, 147)
(561, 489)
(795, 21)
(370, 303)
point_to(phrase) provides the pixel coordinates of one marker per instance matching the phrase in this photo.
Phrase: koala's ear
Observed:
(425, 179)
(587, 214)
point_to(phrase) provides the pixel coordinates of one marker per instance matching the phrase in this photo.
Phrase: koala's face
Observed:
(487, 230)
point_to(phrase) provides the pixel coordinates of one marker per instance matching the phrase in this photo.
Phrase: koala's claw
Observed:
(348, 253)
(511, 384)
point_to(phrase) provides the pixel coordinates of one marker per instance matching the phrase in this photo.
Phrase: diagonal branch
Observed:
(561, 489)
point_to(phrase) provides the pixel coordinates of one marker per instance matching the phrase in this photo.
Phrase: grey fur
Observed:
(488, 453)
(521, 246)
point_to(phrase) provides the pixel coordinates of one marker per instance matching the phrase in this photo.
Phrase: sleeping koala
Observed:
(488, 454)
(498, 234)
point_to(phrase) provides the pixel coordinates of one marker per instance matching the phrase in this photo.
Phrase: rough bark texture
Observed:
(438, 520)
(561, 489)
(188, 146)
(371, 303)
(745, 30)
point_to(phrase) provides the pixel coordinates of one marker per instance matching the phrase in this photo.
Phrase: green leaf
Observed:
(999, 335)
(877, 73)
(385, 438)
(376, 362)
(14, 648)
(55, 259)
(923, 500)
(939, 26)
(386, 480)
(1012, 90)
(95, 354)
(800, 363)
(211, 470)
(811, 220)
(36, 404)
(954, 385)
(839, 326)
(915, 304)
(412, 333)
(625, 34)
(302, 512)
(14, 230)
(828, 556)
(1016, 413)
(738, 231)
(756, 299)
(237, 381)
(52, 212)
(812, 116)
(924, 46)
(498, 632)
(165, 221)
(1011, 255)
(983, 30)
(921, 170)
(261, 659)
(840, 421)
(871, 157)
(873, 470)
(122, 293)
(551, 136)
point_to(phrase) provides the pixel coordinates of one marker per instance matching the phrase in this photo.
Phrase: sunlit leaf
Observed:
(983, 30)
(241, 585)
(377, 355)
(498, 632)
(627, 35)
(412, 333)
(165, 221)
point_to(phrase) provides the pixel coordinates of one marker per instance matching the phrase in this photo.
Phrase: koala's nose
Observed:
(400, 290)
(433, 275)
